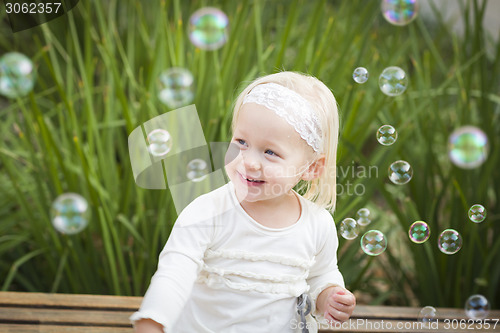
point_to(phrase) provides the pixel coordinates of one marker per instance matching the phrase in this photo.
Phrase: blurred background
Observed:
(93, 75)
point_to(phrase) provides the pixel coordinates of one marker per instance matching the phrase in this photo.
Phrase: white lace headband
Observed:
(292, 107)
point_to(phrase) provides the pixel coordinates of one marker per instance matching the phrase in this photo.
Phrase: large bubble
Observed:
(386, 135)
(175, 87)
(400, 172)
(69, 213)
(17, 75)
(208, 28)
(419, 232)
(349, 228)
(468, 147)
(450, 241)
(373, 242)
(477, 307)
(393, 81)
(428, 314)
(399, 12)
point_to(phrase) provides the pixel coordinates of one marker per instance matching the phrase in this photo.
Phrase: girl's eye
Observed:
(241, 142)
(270, 152)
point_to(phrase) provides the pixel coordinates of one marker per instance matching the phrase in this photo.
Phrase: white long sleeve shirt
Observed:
(222, 271)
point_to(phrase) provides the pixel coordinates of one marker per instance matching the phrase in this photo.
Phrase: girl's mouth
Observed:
(251, 181)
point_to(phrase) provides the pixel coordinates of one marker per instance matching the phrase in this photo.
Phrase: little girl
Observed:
(246, 257)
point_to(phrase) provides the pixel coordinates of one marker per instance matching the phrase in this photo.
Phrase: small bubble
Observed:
(428, 314)
(159, 142)
(197, 170)
(208, 28)
(175, 87)
(450, 241)
(363, 217)
(69, 213)
(477, 213)
(400, 172)
(386, 135)
(360, 75)
(393, 81)
(419, 232)
(373, 242)
(349, 228)
(17, 75)
(477, 307)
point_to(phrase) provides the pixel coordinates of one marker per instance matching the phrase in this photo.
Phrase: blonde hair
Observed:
(321, 190)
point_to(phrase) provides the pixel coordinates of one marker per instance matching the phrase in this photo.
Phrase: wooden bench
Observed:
(58, 313)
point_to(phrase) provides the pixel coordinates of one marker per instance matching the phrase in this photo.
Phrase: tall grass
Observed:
(97, 68)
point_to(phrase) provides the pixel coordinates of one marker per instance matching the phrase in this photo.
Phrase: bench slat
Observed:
(13, 328)
(70, 301)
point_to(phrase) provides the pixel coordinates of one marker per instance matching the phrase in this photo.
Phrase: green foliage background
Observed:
(97, 69)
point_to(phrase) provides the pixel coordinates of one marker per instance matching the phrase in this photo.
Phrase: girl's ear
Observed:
(315, 169)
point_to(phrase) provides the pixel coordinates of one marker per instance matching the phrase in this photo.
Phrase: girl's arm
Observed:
(148, 326)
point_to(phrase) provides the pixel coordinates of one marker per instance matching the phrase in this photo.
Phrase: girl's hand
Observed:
(148, 326)
(336, 303)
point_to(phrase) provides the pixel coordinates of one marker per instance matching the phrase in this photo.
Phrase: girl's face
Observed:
(272, 157)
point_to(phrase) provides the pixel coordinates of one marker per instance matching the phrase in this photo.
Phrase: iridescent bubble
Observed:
(349, 228)
(477, 213)
(159, 142)
(197, 170)
(393, 81)
(175, 87)
(373, 242)
(208, 28)
(69, 213)
(399, 12)
(363, 217)
(450, 241)
(468, 147)
(400, 172)
(477, 307)
(17, 75)
(419, 232)
(428, 314)
(387, 135)
(360, 75)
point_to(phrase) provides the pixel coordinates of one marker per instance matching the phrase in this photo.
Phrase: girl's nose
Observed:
(251, 161)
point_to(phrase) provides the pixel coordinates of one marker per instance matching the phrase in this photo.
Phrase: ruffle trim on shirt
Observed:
(238, 254)
(218, 282)
(147, 315)
(273, 278)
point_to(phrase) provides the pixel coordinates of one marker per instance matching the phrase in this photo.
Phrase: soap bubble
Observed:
(175, 87)
(197, 170)
(419, 232)
(450, 241)
(159, 142)
(400, 172)
(399, 12)
(373, 242)
(477, 307)
(349, 228)
(386, 135)
(17, 75)
(69, 213)
(360, 75)
(428, 314)
(468, 147)
(477, 213)
(363, 217)
(393, 81)
(208, 28)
